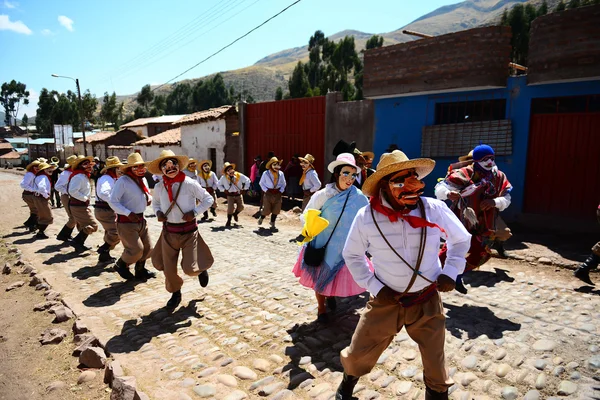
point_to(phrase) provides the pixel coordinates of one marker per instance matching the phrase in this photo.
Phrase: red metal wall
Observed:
(563, 165)
(286, 127)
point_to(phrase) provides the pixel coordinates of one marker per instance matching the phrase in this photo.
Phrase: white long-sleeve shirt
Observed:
(42, 184)
(27, 183)
(190, 174)
(318, 200)
(311, 181)
(267, 181)
(212, 181)
(127, 197)
(443, 188)
(79, 187)
(225, 185)
(61, 182)
(186, 201)
(389, 268)
(104, 187)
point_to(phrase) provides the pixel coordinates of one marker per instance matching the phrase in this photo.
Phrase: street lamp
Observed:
(80, 109)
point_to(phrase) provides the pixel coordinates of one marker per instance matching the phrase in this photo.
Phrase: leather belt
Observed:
(124, 219)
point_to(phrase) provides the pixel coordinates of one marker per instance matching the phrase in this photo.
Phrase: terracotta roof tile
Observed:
(11, 155)
(6, 146)
(137, 122)
(206, 115)
(102, 136)
(172, 136)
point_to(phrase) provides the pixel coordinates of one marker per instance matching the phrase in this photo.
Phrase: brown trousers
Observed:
(108, 219)
(71, 223)
(306, 199)
(29, 199)
(83, 217)
(44, 212)
(271, 203)
(425, 323)
(214, 204)
(195, 256)
(136, 241)
(235, 200)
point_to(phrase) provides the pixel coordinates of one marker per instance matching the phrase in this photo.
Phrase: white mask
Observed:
(487, 165)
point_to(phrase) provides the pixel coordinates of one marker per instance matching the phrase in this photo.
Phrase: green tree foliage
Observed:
(180, 99)
(279, 94)
(560, 6)
(573, 4)
(111, 112)
(374, 42)
(519, 18)
(298, 82)
(24, 120)
(43, 115)
(145, 97)
(543, 10)
(89, 104)
(11, 96)
(504, 19)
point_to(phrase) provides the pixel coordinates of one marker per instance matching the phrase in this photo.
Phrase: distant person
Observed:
(55, 196)
(293, 172)
(234, 184)
(272, 183)
(583, 271)
(309, 180)
(255, 174)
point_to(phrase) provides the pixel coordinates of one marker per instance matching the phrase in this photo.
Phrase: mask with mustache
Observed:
(170, 167)
(487, 164)
(404, 189)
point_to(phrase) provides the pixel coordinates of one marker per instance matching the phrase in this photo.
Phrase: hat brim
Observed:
(209, 162)
(465, 158)
(154, 166)
(304, 159)
(332, 165)
(110, 167)
(31, 165)
(227, 167)
(76, 163)
(423, 167)
(269, 163)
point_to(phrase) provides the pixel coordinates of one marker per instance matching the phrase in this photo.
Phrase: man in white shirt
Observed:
(43, 191)
(272, 182)
(177, 201)
(208, 180)
(234, 184)
(80, 192)
(102, 211)
(190, 169)
(407, 275)
(129, 198)
(61, 188)
(29, 194)
(309, 180)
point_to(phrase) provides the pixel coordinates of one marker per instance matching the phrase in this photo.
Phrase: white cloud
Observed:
(18, 26)
(47, 32)
(9, 4)
(66, 22)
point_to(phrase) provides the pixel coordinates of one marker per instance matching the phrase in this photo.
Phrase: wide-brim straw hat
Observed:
(272, 161)
(154, 166)
(32, 164)
(308, 158)
(192, 160)
(209, 162)
(394, 162)
(468, 157)
(70, 159)
(227, 165)
(342, 159)
(132, 160)
(43, 166)
(78, 160)
(111, 162)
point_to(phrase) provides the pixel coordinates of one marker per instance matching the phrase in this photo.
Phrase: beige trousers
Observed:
(84, 219)
(305, 200)
(195, 256)
(136, 241)
(271, 204)
(425, 323)
(108, 219)
(71, 223)
(44, 212)
(502, 232)
(29, 199)
(235, 200)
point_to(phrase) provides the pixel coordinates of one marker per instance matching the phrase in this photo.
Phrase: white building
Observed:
(152, 126)
(151, 147)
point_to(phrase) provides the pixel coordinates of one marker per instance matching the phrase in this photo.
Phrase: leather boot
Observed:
(141, 272)
(29, 221)
(174, 300)
(123, 270)
(498, 245)
(261, 219)
(460, 287)
(228, 224)
(203, 278)
(34, 223)
(433, 395)
(235, 216)
(344, 391)
(64, 234)
(583, 271)
(213, 212)
(273, 218)
(104, 254)
(41, 234)
(204, 216)
(79, 242)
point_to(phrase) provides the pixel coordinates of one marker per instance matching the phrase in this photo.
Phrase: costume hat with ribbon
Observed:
(482, 151)
(70, 159)
(308, 158)
(226, 166)
(342, 159)
(133, 160)
(344, 147)
(111, 162)
(78, 160)
(272, 161)
(209, 162)
(394, 162)
(154, 166)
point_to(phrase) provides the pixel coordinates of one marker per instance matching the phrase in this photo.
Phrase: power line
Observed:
(230, 44)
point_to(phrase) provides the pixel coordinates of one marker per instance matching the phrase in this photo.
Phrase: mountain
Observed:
(31, 120)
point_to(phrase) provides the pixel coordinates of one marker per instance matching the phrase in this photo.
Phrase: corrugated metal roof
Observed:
(211, 114)
(172, 136)
(163, 119)
(137, 122)
(41, 141)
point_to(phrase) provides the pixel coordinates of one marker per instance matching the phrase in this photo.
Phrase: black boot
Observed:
(213, 212)
(460, 287)
(204, 216)
(273, 218)
(332, 303)
(583, 271)
(203, 278)
(141, 272)
(79, 242)
(34, 223)
(228, 224)
(41, 234)
(64, 234)
(174, 300)
(433, 395)
(261, 219)
(29, 221)
(235, 216)
(123, 270)
(104, 254)
(344, 391)
(498, 245)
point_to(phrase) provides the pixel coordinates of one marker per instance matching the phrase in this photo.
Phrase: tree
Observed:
(160, 104)
(109, 112)
(145, 97)
(179, 100)
(504, 19)
(24, 120)
(11, 96)
(374, 42)
(43, 115)
(543, 10)
(573, 4)
(560, 6)
(298, 82)
(89, 104)
(278, 93)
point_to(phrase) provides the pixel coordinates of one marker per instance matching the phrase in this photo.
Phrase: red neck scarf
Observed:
(180, 177)
(394, 216)
(78, 172)
(140, 182)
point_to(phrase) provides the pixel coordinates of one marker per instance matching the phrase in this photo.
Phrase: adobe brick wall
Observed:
(565, 45)
(471, 58)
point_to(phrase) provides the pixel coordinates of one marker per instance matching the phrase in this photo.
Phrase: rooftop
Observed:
(12, 155)
(211, 114)
(102, 136)
(172, 136)
(5, 146)
(164, 119)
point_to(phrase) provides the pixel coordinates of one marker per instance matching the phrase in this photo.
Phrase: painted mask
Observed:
(205, 167)
(346, 177)
(170, 167)
(487, 163)
(192, 167)
(87, 166)
(405, 188)
(275, 167)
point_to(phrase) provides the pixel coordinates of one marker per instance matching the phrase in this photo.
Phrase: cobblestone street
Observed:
(522, 332)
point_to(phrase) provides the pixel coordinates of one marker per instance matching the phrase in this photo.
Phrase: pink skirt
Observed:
(343, 285)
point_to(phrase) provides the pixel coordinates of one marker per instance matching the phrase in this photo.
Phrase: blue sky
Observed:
(121, 45)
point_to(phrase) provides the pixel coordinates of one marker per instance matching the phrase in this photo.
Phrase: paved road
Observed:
(521, 332)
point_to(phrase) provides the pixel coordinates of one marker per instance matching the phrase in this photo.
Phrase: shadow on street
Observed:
(476, 321)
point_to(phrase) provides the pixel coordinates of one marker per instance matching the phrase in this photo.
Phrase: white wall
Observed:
(150, 153)
(140, 130)
(198, 138)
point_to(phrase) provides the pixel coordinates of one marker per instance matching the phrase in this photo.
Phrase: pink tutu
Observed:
(343, 285)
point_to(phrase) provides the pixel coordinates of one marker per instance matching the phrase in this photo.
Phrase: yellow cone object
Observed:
(313, 225)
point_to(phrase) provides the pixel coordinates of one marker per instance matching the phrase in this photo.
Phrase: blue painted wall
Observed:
(400, 120)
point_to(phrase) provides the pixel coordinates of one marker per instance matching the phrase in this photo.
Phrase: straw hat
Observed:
(468, 157)
(154, 166)
(42, 160)
(192, 160)
(111, 162)
(394, 162)
(308, 158)
(70, 159)
(227, 165)
(272, 161)
(132, 160)
(43, 166)
(342, 159)
(209, 162)
(31, 165)
(78, 160)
